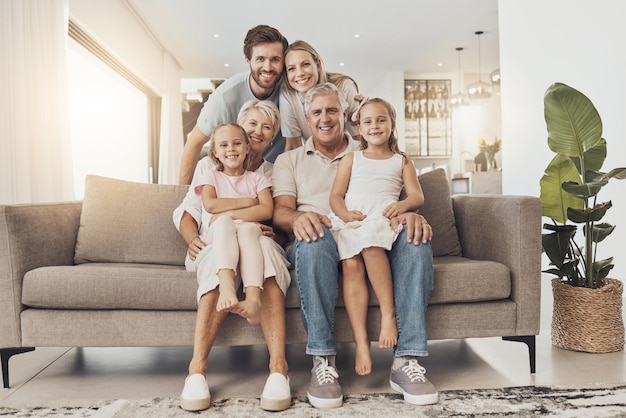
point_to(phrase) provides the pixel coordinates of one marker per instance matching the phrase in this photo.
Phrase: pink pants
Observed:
(237, 243)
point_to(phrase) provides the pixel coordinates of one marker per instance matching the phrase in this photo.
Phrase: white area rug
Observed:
(529, 401)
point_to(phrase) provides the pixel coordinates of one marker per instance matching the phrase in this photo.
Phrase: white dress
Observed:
(374, 184)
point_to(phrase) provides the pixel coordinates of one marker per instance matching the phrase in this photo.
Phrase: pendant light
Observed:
(479, 90)
(459, 99)
(495, 77)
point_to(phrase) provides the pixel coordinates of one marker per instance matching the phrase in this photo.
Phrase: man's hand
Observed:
(308, 226)
(417, 228)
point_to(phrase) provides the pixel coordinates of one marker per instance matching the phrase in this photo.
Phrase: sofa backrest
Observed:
(439, 213)
(128, 222)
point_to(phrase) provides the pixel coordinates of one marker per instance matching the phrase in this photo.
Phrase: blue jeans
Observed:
(317, 271)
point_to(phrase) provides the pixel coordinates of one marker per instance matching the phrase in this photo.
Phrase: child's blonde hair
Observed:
(393, 139)
(218, 164)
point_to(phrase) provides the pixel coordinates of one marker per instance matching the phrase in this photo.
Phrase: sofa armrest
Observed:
(506, 229)
(31, 236)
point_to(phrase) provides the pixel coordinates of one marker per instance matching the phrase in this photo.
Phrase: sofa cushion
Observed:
(128, 222)
(439, 213)
(460, 279)
(481, 281)
(110, 286)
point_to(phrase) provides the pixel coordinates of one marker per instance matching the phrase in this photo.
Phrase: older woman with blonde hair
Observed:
(261, 121)
(304, 69)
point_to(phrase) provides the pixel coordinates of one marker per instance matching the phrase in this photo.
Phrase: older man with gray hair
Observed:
(302, 179)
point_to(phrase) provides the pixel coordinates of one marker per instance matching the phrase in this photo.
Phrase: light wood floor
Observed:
(135, 373)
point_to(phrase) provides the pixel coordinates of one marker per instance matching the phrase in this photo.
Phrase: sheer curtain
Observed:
(35, 148)
(171, 146)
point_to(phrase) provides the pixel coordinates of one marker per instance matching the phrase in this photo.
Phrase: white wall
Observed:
(113, 24)
(579, 43)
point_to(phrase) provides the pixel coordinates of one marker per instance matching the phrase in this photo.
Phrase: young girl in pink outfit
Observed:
(371, 187)
(234, 202)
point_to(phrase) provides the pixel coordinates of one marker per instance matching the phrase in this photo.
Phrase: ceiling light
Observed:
(459, 99)
(479, 90)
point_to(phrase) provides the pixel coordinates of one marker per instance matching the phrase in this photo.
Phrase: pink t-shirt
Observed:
(247, 185)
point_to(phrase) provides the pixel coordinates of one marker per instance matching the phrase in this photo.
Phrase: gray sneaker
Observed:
(324, 389)
(409, 378)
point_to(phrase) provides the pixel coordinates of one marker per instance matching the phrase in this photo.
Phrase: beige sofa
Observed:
(108, 271)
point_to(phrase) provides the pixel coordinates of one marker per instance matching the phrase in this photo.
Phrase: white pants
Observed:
(274, 265)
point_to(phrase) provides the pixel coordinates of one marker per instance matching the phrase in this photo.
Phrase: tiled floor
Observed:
(109, 373)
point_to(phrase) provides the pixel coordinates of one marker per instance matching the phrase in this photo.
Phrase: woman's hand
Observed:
(195, 246)
(268, 231)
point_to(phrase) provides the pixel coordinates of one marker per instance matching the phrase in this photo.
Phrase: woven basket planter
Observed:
(588, 320)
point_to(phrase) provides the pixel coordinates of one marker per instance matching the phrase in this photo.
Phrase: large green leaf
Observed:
(574, 125)
(554, 200)
(583, 191)
(593, 214)
(599, 231)
(602, 268)
(594, 157)
(557, 246)
(617, 173)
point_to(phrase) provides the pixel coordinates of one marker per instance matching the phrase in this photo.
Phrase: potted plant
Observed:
(587, 312)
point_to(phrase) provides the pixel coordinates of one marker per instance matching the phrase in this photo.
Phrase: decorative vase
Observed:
(491, 162)
(588, 320)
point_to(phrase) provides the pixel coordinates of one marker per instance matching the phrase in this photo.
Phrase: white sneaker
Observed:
(196, 395)
(276, 393)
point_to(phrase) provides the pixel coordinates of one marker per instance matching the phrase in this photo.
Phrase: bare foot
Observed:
(227, 301)
(250, 309)
(363, 360)
(388, 332)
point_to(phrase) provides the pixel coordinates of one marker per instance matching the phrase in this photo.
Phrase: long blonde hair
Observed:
(337, 79)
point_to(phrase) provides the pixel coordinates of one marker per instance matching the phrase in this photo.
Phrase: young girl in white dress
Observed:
(234, 202)
(371, 187)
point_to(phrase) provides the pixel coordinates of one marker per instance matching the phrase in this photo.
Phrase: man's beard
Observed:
(262, 82)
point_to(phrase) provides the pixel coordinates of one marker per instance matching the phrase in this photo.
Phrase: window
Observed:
(113, 120)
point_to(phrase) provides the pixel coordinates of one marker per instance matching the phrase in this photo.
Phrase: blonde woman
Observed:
(304, 69)
(261, 121)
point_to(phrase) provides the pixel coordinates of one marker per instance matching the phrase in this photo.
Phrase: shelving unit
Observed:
(428, 127)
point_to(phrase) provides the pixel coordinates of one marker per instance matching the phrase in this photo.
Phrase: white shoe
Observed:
(196, 395)
(276, 393)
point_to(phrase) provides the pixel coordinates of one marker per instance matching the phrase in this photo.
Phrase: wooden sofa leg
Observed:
(5, 355)
(529, 340)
